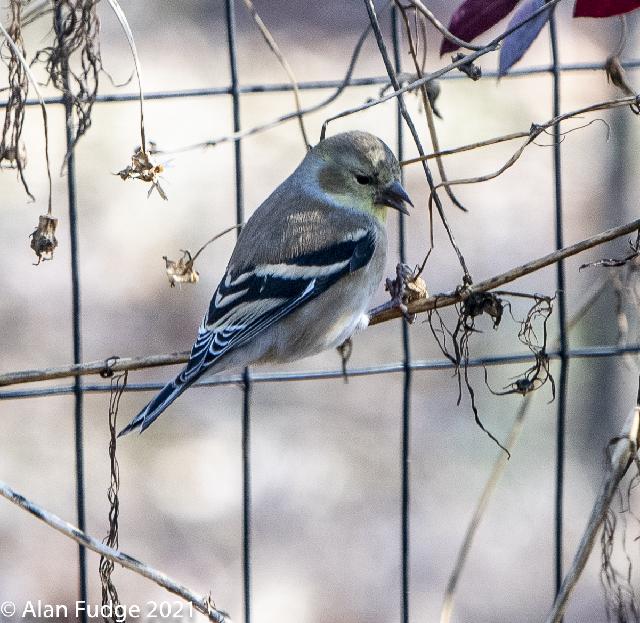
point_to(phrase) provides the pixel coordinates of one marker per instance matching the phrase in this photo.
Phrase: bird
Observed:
(304, 268)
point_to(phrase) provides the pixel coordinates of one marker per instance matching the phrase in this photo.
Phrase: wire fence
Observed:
(407, 367)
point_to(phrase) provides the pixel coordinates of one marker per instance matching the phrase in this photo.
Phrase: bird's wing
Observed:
(247, 303)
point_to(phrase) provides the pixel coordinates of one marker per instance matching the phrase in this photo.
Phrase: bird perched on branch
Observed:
(304, 268)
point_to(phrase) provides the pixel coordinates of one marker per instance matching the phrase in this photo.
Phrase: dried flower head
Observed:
(143, 168)
(43, 239)
(182, 270)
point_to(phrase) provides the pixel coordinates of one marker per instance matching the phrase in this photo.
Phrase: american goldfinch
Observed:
(304, 268)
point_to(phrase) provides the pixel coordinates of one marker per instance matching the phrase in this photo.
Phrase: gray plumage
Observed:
(304, 268)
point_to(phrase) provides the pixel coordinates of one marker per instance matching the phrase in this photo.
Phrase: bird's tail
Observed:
(164, 398)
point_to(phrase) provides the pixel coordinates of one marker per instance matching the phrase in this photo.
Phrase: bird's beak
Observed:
(394, 196)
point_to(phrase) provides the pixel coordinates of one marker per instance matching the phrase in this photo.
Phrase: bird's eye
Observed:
(364, 179)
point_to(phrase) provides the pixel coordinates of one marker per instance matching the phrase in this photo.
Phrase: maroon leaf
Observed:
(473, 17)
(519, 41)
(600, 8)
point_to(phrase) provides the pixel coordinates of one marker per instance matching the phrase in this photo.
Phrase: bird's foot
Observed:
(407, 287)
(344, 350)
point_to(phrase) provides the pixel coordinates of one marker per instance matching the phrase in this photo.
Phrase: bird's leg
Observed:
(408, 286)
(344, 350)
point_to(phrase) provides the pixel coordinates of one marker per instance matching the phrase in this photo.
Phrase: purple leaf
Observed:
(473, 17)
(518, 42)
(598, 8)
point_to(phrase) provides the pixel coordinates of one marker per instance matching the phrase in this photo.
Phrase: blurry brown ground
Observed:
(326, 466)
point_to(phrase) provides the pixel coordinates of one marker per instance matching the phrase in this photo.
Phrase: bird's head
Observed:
(357, 170)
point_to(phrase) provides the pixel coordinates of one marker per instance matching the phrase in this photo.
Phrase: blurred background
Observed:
(325, 454)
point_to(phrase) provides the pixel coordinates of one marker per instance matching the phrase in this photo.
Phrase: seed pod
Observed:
(43, 239)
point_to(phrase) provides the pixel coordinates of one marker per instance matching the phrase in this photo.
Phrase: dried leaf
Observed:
(43, 239)
(473, 17)
(518, 42)
(598, 8)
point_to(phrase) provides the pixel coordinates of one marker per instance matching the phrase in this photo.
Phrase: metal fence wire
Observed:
(235, 92)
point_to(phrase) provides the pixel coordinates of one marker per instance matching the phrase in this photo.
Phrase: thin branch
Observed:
(43, 108)
(426, 104)
(36, 10)
(623, 450)
(469, 147)
(219, 235)
(382, 313)
(117, 9)
(385, 312)
(202, 604)
(373, 18)
(271, 42)
(236, 136)
(102, 367)
(534, 132)
(439, 26)
(492, 46)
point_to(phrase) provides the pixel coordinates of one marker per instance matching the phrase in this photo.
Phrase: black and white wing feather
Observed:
(247, 303)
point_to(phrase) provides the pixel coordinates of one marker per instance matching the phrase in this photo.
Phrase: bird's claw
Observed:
(344, 350)
(407, 287)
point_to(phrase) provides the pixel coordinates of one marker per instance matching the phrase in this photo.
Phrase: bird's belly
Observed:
(311, 330)
(342, 329)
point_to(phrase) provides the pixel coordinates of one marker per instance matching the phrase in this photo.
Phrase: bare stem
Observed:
(117, 9)
(236, 136)
(439, 26)
(202, 604)
(426, 104)
(469, 147)
(534, 132)
(373, 18)
(43, 108)
(271, 42)
(208, 242)
(383, 313)
(387, 311)
(492, 46)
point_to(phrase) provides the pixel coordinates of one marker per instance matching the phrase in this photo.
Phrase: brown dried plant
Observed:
(73, 62)
(43, 239)
(106, 566)
(454, 344)
(142, 166)
(12, 149)
(182, 270)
